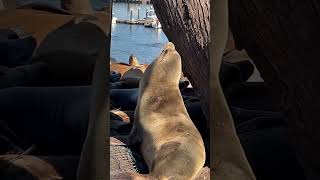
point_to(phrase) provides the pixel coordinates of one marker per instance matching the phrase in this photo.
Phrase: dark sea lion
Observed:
(171, 144)
(44, 6)
(266, 142)
(71, 59)
(126, 99)
(235, 72)
(116, 85)
(114, 76)
(132, 77)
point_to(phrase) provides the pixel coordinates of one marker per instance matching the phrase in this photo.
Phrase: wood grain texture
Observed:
(282, 39)
(186, 24)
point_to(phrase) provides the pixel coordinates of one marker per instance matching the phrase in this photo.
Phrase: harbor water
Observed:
(144, 43)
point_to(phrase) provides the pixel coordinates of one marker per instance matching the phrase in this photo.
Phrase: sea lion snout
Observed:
(169, 46)
(168, 64)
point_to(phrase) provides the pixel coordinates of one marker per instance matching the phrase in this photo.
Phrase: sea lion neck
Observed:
(158, 87)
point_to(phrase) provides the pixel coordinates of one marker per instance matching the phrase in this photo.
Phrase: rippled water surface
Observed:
(145, 43)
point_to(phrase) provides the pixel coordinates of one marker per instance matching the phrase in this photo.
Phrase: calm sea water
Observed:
(144, 43)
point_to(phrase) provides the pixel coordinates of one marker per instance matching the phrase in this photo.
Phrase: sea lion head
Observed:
(164, 70)
(133, 60)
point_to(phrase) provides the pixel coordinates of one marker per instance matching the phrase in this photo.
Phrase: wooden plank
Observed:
(282, 39)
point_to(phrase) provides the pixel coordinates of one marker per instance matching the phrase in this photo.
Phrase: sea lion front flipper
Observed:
(133, 137)
(128, 140)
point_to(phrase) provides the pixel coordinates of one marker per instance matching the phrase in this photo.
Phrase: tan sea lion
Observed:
(133, 73)
(122, 114)
(133, 61)
(123, 67)
(170, 143)
(25, 166)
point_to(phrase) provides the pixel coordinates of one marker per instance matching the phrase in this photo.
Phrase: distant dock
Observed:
(134, 22)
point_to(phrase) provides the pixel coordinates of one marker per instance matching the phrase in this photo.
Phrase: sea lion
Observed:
(133, 60)
(170, 143)
(26, 167)
(126, 99)
(116, 85)
(114, 76)
(124, 67)
(132, 73)
(123, 115)
(132, 77)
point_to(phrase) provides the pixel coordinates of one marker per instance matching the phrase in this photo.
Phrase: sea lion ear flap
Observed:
(94, 160)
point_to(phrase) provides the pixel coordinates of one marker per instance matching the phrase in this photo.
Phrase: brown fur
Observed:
(123, 115)
(123, 68)
(171, 144)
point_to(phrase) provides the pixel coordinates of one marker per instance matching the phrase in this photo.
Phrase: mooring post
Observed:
(138, 13)
(147, 12)
(8, 4)
(131, 14)
(1, 4)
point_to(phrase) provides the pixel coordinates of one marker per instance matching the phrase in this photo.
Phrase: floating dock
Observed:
(134, 22)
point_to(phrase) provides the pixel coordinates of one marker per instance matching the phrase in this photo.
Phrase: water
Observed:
(144, 43)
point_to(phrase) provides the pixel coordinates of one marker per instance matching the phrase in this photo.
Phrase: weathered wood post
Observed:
(8, 4)
(1, 5)
(282, 38)
(186, 24)
(147, 12)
